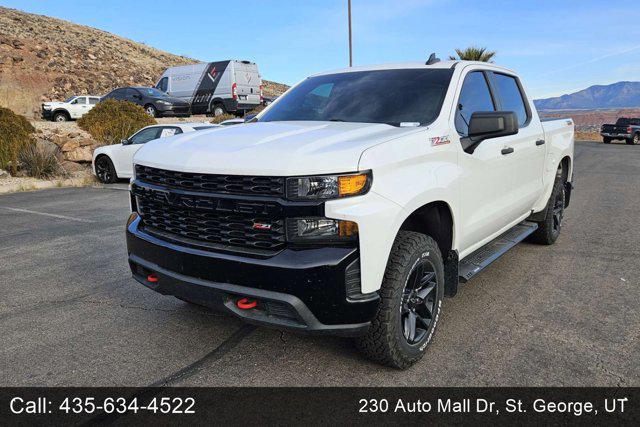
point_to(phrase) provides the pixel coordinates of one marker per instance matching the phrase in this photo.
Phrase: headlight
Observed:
(46, 107)
(161, 102)
(328, 186)
(325, 229)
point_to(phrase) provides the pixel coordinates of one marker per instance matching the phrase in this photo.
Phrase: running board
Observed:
(482, 257)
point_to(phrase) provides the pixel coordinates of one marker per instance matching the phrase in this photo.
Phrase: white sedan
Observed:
(113, 162)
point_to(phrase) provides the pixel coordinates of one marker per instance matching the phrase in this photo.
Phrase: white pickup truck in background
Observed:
(73, 108)
(354, 203)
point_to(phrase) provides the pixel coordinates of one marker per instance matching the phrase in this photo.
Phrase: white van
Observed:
(215, 87)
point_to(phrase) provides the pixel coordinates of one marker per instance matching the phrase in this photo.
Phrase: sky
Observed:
(558, 46)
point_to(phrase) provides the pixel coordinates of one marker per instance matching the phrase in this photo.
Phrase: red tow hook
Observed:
(246, 303)
(152, 278)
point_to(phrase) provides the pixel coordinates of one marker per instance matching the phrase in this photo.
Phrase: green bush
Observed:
(40, 161)
(222, 117)
(111, 121)
(15, 135)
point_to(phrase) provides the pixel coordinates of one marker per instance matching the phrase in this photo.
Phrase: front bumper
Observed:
(174, 110)
(47, 114)
(298, 289)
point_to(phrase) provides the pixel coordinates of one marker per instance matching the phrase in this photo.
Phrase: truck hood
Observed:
(269, 148)
(54, 104)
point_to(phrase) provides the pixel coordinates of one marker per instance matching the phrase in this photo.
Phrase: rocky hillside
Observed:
(616, 95)
(43, 58)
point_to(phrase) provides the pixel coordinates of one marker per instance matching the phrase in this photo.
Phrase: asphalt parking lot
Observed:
(564, 315)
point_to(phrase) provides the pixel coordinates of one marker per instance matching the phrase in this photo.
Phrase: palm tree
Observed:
(474, 54)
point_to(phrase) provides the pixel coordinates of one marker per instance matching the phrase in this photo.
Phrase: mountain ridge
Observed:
(624, 94)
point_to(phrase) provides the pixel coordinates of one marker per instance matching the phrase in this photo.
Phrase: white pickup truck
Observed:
(72, 108)
(354, 203)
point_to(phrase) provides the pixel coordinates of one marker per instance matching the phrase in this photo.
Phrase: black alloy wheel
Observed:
(418, 302)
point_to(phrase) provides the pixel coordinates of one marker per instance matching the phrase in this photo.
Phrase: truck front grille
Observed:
(208, 227)
(224, 184)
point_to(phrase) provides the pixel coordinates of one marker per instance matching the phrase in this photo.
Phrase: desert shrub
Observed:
(40, 161)
(15, 135)
(221, 118)
(111, 121)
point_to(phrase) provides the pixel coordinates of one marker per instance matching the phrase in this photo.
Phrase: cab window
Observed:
(511, 98)
(163, 84)
(474, 96)
(145, 135)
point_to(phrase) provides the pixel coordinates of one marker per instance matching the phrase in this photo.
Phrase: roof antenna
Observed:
(432, 59)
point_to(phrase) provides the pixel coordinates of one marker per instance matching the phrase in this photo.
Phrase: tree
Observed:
(474, 54)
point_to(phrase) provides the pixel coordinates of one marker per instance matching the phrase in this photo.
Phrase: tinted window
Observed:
(163, 84)
(510, 96)
(145, 135)
(474, 96)
(130, 93)
(116, 94)
(152, 91)
(385, 96)
(81, 100)
(203, 127)
(94, 101)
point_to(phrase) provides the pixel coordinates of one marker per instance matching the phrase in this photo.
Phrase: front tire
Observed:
(410, 303)
(105, 171)
(60, 117)
(606, 140)
(151, 110)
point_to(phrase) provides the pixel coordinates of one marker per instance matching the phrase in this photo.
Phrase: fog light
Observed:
(325, 229)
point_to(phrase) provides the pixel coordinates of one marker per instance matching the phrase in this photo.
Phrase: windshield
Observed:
(408, 96)
(70, 99)
(152, 91)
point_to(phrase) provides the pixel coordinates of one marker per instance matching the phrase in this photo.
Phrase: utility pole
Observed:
(350, 47)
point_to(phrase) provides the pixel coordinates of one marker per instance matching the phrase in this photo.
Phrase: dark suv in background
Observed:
(625, 128)
(155, 102)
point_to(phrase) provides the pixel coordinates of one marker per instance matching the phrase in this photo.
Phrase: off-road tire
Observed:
(606, 140)
(60, 116)
(385, 341)
(634, 140)
(548, 231)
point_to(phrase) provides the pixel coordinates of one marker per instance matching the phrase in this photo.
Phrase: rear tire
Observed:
(549, 228)
(634, 140)
(410, 303)
(105, 171)
(60, 117)
(218, 110)
(606, 140)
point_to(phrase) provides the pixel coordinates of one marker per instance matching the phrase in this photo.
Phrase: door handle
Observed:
(507, 150)
(540, 142)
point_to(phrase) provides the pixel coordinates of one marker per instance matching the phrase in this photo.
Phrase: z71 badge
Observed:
(440, 140)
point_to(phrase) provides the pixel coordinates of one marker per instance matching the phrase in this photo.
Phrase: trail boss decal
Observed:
(439, 140)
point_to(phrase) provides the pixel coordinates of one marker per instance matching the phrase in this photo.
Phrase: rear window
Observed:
(203, 127)
(624, 121)
(511, 98)
(408, 96)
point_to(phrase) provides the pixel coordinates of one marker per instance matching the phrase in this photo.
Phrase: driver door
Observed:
(123, 158)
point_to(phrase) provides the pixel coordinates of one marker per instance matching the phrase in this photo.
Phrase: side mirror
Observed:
(249, 117)
(490, 124)
(125, 141)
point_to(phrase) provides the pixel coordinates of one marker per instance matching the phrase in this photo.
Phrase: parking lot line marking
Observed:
(69, 218)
